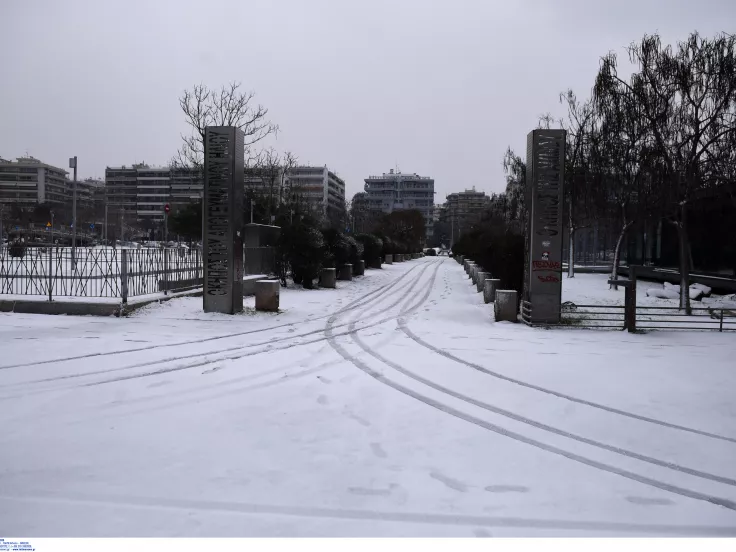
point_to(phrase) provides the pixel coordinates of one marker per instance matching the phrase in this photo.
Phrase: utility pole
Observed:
(251, 210)
(166, 224)
(73, 165)
(1, 223)
(106, 243)
(52, 228)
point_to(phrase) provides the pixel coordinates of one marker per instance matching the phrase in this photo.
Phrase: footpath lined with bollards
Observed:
(504, 301)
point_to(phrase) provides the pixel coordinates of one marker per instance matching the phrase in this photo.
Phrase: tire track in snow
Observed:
(463, 520)
(267, 343)
(539, 425)
(719, 501)
(207, 362)
(354, 304)
(405, 328)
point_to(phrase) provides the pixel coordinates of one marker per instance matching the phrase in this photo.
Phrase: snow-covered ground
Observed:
(391, 406)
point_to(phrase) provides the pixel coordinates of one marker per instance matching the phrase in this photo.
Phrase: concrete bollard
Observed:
(471, 267)
(389, 259)
(474, 272)
(480, 281)
(267, 295)
(504, 307)
(375, 263)
(359, 268)
(345, 272)
(489, 289)
(327, 278)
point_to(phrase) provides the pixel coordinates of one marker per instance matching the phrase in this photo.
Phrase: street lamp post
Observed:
(73, 165)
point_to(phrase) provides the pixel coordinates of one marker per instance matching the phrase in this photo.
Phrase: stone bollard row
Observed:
(327, 278)
(359, 268)
(489, 289)
(267, 295)
(504, 307)
(345, 273)
(480, 280)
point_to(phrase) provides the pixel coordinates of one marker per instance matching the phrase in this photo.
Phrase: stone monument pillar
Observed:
(545, 176)
(223, 220)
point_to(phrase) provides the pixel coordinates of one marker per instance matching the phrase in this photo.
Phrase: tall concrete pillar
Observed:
(504, 307)
(545, 177)
(222, 215)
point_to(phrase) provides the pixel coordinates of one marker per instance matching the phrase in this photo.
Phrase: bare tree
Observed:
(580, 120)
(689, 100)
(228, 106)
(625, 145)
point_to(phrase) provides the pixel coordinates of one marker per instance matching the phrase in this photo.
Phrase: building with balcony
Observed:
(140, 192)
(320, 190)
(397, 191)
(464, 209)
(28, 181)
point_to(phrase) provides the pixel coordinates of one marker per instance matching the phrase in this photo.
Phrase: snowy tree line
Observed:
(646, 147)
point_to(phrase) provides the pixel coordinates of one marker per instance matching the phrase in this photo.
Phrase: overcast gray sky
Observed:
(437, 88)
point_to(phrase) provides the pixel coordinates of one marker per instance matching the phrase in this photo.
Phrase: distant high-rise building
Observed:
(28, 181)
(397, 191)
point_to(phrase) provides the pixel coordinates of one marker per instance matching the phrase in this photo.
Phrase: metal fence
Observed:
(97, 271)
(643, 318)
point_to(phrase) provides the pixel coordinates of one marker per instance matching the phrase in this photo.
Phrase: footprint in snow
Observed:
(644, 501)
(507, 489)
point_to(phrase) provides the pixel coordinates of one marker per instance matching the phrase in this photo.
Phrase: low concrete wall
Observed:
(87, 308)
(327, 278)
(267, 295)
(249, 283)
(504, 307)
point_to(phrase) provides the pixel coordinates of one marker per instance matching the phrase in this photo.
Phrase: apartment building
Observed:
(141, 192)
(322, 191)
(395, 191)
(28, 181)
(464, 209)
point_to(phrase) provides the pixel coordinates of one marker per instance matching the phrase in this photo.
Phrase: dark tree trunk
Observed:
(684, 260)
(617, 253)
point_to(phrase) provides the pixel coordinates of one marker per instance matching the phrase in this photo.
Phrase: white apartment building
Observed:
(141, 192)
(397, 191)
(320, 188)
(27, 181)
